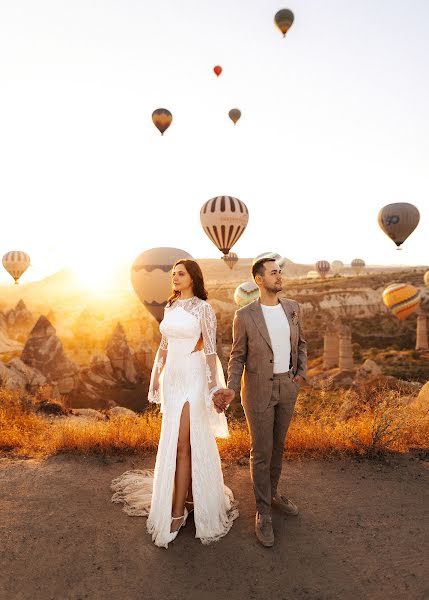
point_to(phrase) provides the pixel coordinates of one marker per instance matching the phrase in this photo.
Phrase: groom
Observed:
(269, 346)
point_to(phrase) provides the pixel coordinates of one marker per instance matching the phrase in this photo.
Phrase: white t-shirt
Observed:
(279, 331)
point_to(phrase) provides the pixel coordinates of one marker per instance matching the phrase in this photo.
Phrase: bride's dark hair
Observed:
(196, 274)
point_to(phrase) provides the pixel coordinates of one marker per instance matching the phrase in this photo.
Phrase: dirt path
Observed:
(363, 533)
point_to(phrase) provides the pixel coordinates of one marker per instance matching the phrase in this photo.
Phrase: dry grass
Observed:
(386, 426)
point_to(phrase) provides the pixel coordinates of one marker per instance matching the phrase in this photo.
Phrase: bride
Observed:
(185, 375)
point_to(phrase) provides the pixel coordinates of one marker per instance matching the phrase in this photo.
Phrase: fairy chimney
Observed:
(346, 350)
(330, 348)
(422, 333)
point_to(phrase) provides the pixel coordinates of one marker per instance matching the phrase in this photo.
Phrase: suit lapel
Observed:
(287, 309)
(258, 317)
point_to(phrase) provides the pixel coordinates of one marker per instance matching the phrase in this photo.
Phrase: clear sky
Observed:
(335, 125)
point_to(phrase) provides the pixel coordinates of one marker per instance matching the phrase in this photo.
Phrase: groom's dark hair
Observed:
(258, 267)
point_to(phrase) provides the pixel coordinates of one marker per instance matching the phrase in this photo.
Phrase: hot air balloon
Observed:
(398, 221)
(230, 259)
(245, 293)
(402, 299)
(337, 266)
(218, 70)
(16, 263)
(284, 19)
(234, 114)
(312, 275)
(224, 219)
(151, 277)
(323, 267)
(280, 260)
(426, 278)
(357, 265)
(162, 118)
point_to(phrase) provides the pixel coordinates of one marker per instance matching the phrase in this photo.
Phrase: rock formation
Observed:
(331, 348)
(422, 332)
(17, 375)
(44, 351)
(346, 349)
(121, 356)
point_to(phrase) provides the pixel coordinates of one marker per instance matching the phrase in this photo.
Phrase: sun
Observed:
(97, 274)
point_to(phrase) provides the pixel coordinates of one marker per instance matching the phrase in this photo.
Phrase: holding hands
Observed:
(223, 398)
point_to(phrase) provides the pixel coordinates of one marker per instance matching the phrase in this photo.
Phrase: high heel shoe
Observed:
(173, 534)
(192, 508)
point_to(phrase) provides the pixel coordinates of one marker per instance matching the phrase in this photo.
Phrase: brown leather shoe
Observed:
(285, 505)
(264, 529)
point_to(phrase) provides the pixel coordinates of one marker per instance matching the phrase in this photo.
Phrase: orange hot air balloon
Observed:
(162, 119)
(218, 70)
(234, 114)
(402, 299)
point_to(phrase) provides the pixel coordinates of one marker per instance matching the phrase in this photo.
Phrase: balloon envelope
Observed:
(230, 259)
(245, 293)
(398, 220)
(151, 277)
(16, 262)
(224, 219)
(323, 267)
(358, 265)
(337, 266)
(218, 70)
(234, 114)
(162, 119)
(283, 20)
(280, 260)
(402, 299)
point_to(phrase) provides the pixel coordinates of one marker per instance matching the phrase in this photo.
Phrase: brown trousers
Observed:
(267, 439)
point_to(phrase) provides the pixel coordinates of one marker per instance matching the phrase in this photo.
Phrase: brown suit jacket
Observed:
(252, 353)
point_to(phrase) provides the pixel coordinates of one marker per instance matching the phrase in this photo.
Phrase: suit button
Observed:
(271, 378)
(271, 360)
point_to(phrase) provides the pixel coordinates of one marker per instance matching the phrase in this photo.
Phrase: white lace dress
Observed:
(181, 374)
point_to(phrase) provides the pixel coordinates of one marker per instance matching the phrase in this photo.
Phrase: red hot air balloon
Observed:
(218, 70)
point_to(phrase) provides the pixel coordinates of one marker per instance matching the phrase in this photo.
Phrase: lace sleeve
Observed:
(208, 329)
(154, 394)
(164, 343)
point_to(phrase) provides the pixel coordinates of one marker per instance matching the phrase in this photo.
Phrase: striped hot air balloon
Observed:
(280, 260)
(16, 263)
(224, 220)
(162, 119)
(323, 267)
(230, 259)
(357, 265)
(151, 277)
(246, 293)
(402, 299)
(283, 20)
